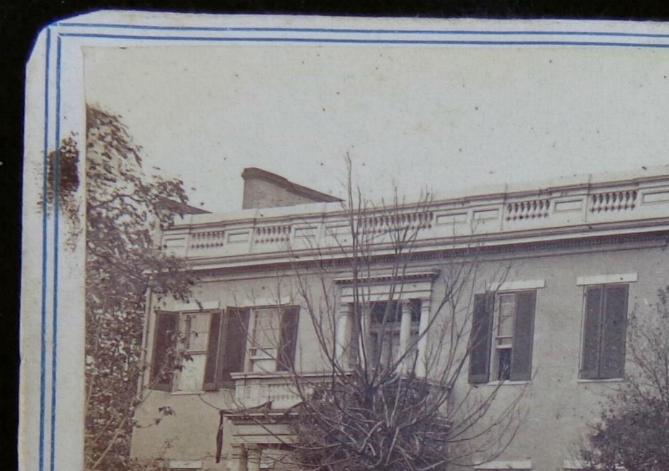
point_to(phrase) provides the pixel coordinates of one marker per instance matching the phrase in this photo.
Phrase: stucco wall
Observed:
(190, 434)
(556, 404)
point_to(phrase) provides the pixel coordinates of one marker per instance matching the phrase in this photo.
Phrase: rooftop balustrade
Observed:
(568, 209)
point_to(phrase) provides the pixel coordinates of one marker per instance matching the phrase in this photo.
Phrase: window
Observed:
(385, 330)
(180, 350)
(273, 339)
(226, 347)
(215, 344)
(194, 329)
(502, 336)
(604, 331)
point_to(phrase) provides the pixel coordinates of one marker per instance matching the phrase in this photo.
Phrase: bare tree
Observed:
(633, 431)
(390, 362)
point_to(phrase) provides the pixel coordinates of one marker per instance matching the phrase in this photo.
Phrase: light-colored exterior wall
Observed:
(244, 260)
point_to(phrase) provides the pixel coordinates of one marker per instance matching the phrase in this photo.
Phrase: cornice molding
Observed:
(385, 276)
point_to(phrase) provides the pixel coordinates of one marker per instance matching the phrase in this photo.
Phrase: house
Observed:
(562, 266)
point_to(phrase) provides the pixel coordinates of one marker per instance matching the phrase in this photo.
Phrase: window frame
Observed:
(180, 346)
(184, 347)
(492, 358)
(249, 359)
(495, 346)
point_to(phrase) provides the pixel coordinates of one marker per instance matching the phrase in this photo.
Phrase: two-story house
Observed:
(562, 266)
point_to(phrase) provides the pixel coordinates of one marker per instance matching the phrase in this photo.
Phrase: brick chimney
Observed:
(264, 189)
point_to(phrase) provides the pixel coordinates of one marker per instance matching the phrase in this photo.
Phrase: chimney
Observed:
(264, 189)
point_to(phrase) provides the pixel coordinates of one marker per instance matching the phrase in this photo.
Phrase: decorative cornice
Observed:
(385, 276)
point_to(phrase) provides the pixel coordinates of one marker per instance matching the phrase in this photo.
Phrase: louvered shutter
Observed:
(592, 328)
(523, 336)
(233, 351)
(213, 351)
(288, 338)
(612, 354)
(480, 338)
(164, 343)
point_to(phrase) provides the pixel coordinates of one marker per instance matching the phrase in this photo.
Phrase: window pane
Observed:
(266, 329)
(387, 348)
(390, 312)
(415, 306)
(507, 308)
(192, 373)
(197, 332)
(503, 364)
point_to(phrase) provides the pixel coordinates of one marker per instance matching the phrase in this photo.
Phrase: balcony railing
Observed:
(558, 211)
(254, 389)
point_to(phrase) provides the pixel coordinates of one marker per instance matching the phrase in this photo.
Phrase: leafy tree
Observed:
(633, 432)
(125, 210)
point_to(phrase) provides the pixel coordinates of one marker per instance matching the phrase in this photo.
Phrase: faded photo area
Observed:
(331, 258)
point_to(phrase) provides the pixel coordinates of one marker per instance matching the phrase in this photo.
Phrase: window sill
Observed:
(187, 393)
(244, 375)
(603, 380)
(508, 383)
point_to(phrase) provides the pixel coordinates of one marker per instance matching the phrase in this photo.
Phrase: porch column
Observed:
(236, 459)
(405, 335)
(343, 335)
(364, 339)
(421, 363)
(254, 454)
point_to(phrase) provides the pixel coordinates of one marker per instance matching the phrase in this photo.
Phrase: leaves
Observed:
(125, 211)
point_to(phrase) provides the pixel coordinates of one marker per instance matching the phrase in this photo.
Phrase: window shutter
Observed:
(480, 337)
(232, 353)
(213, 351)
(164, 343)
(592, 332)
(523, 336)
(612, 354)
(288, 339)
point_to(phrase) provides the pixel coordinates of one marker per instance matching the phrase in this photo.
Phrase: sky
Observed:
(445, 119)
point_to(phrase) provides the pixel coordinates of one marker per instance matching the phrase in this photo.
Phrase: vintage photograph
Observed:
(438, 247)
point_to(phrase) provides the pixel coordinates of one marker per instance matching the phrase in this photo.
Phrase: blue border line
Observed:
(360, 31)
(45, 169)
(54, 360)
(368, 41)
(58, 110)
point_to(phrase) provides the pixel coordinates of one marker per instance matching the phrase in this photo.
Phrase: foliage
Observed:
(634, 428)
(125, 210)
